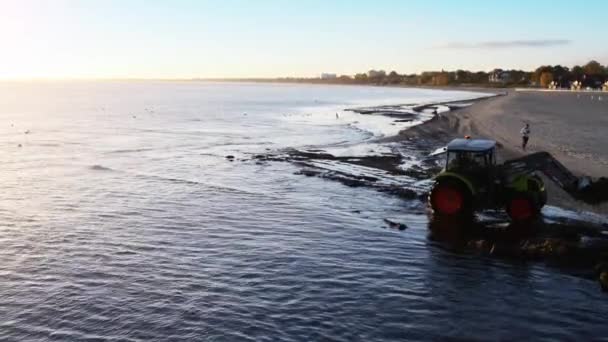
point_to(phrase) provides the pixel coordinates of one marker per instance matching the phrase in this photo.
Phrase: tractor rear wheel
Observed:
(451, 198)
(522, 207)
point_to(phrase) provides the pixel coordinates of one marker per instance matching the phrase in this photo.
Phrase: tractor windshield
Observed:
(465, 161)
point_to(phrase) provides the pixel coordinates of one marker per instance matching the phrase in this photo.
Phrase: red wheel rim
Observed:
(447, 200)
(521, 209)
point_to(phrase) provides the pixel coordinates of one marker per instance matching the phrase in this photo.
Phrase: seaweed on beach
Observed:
(375, 172)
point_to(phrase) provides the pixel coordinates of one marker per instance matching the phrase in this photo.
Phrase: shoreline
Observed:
(500, 117)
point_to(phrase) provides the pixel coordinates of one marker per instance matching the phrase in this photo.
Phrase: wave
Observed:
(97, 167)
(135, 150)
(217, 187)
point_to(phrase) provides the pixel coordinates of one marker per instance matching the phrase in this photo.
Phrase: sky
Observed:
(63, 39)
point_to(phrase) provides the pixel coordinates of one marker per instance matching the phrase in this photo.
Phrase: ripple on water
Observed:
(140, 232)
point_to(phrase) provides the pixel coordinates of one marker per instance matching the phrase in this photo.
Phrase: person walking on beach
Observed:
(525, 135)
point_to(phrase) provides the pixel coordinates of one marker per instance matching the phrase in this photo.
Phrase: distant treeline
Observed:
(592, 74)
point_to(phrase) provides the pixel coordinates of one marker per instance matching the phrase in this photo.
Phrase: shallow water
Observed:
(121, 219)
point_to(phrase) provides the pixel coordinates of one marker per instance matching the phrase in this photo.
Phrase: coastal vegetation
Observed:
(591, 75)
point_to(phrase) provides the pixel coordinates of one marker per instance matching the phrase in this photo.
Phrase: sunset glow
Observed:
(209, 39)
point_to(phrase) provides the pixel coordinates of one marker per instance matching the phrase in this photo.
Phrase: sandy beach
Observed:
(571, 126)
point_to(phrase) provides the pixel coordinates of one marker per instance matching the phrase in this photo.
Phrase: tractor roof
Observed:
(471, 145)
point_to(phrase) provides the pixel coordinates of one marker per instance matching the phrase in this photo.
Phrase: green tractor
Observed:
(472, 180)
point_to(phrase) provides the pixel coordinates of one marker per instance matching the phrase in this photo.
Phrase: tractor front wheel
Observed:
(450, 198)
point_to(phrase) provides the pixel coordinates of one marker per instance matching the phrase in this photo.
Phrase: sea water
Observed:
(121, 219)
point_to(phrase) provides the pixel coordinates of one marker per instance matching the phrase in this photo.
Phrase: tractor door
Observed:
(492, 180)
(482, 173)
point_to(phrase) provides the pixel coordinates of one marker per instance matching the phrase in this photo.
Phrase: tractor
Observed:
(472, 180)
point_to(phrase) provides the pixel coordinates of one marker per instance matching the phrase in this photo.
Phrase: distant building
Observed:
(326, 76)
(499, 76)
(376, 73)
(440, 79)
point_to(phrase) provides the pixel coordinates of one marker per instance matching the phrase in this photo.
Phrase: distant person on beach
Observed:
(525, 135)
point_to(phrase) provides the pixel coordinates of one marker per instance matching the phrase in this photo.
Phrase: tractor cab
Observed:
(468, 179)
(470, 156)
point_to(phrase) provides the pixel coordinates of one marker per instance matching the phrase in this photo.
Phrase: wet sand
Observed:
(573, 127)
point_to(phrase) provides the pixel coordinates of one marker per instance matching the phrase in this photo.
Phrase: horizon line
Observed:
(241, 78)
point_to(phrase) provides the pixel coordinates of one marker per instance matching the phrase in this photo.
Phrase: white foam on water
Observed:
(380, 125)
(353, 170)
(461, 105)
(376, 125)
(552, 214)
(442, 109)
(440, 150)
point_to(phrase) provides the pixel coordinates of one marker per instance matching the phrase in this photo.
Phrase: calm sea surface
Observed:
(122, 220)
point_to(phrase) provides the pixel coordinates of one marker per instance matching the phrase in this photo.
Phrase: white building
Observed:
(327, 76)
(499, 76)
